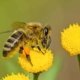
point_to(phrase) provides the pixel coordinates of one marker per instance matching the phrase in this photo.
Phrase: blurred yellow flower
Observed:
(40, 61)
(15, 77)
(70, 39)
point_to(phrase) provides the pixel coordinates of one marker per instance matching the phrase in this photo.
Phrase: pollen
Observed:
(26, 51)
(70, 39)
(40, 61)
(18, 76)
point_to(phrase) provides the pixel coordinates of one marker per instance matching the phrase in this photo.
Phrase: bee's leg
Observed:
(27, 56)
(29, 60)
(49, 42)
(32, 46)
(44, 42)
(21, 49)
(39, 49)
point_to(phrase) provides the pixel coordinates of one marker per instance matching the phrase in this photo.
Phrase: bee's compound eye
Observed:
(45, 30)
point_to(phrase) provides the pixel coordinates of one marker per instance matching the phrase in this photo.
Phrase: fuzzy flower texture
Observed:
(15, 77)
(70, 39)
(36, 61)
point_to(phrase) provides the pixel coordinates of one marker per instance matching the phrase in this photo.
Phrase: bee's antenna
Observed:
(6, 31)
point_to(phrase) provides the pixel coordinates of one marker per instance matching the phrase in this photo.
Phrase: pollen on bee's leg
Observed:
(27, 51)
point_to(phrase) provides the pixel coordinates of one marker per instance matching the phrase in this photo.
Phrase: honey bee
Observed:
(30, 34)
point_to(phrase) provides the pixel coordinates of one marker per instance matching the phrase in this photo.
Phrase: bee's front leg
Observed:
(38, 48)
(48, 42)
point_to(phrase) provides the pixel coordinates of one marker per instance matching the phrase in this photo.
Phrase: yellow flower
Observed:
(15, 77)
(38, 61)
(70, 39)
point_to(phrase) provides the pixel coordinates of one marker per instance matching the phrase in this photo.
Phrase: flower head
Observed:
(15, 77)
(70, 39)
(38, 61)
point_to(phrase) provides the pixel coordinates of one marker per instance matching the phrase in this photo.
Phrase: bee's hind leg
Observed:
(29, 59)
(27, 56)
(21, 49)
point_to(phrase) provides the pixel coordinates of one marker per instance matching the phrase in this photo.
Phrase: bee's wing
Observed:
(17, 25)
(8, 31)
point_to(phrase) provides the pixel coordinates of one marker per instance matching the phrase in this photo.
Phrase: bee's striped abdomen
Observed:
(11, 43)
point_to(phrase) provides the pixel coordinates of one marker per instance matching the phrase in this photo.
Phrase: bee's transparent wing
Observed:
(17, 25)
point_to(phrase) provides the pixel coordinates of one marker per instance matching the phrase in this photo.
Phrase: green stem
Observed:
(78, 59)
(36, 75)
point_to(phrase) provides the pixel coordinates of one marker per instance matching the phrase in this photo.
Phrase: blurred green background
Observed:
(59, 14)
